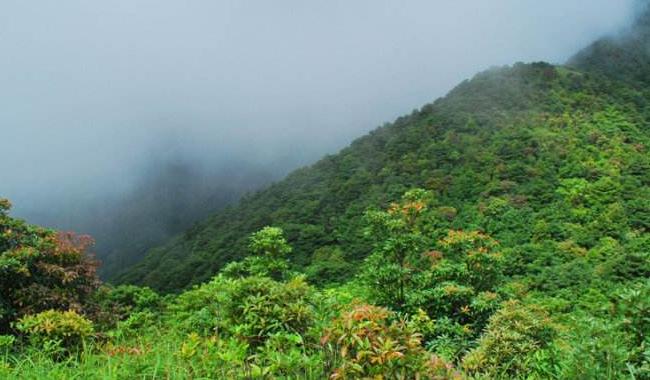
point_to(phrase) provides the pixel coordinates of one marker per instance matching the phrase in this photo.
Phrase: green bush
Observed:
(122, 302)
(329, 266)
(250, 308)
(6, 341)
(513, 335)
(633, 306)
(67, 329)
(593, 349)
(133, 298)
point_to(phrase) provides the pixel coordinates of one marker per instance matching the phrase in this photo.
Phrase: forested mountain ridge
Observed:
(625, 57)
(499, 233)
(545, 158)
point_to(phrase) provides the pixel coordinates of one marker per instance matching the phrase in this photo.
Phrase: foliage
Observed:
(269, 249)
(454, 281)
(251, 308)
(399, 243)
(6, 341)
(550, 163)
(269, 242)
(121, 302)
(594, 349)
(372, 345)
(533, 155)
(132, 298)
(67, 329)
(41, 269)
(328, 267)
(514, 334)
(633, 306)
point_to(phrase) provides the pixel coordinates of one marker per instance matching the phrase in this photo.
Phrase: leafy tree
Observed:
(633, 305)
(455, 282)
(399, 244)
(270, 249)
(41, 270)
(329, 266)
(269, 242)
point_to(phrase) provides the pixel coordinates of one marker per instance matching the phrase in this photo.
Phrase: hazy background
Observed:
(110, 109)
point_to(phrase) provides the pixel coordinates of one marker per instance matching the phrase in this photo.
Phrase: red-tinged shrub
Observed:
(368, 343)
(41, 269)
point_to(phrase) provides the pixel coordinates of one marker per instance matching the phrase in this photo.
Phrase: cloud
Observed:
(93, 92)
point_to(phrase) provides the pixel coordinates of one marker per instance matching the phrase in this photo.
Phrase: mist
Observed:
(105, 103)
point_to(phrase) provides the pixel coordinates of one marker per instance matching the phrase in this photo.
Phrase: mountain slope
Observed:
(547, 159)
(624, 58)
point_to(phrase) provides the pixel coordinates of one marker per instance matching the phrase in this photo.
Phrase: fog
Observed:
(95, 94)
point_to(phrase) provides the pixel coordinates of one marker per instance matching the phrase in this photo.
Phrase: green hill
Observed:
(501, 232)
(552, 161)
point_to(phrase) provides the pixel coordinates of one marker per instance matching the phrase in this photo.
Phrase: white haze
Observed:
(93, 92)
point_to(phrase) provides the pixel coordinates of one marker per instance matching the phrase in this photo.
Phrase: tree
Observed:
(398, 247)
(269, 242)
(453, 279)
(270, 249)
(41, 269)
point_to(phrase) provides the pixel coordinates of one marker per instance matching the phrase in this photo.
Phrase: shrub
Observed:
(250, 308)
(6, 341)
(68, 329)
(121, 302)
(633, 305)
(594, 349)
(133, 298)
(260, 307)
(269, 242)
(397, 234)
(329, 266)
(369, 344)
(453, 279)
(514, 333)
(41, 269)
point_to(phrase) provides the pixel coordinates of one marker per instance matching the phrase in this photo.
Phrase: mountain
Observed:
(624, 58)
(165, 201)
(167, 196)
(551, 160)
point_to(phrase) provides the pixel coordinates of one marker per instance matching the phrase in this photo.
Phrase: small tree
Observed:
(452, 279)
(398, 244)
(41, 269)
(270, 249)
(270, 242)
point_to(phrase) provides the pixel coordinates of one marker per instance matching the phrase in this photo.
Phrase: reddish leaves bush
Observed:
(41, 269)
(369, 343)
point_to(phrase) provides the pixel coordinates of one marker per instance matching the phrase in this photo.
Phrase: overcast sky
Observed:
(89, 90)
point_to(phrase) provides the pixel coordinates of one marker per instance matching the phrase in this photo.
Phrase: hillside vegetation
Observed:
(501, 232)
(515, 142)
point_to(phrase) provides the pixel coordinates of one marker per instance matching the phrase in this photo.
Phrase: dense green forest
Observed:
(514, 142)
(501, 232)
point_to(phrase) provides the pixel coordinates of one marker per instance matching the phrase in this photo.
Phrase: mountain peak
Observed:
(624, 57)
